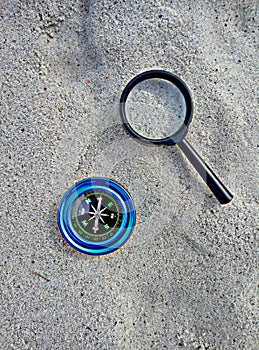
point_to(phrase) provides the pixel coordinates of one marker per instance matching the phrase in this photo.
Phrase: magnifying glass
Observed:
(156, 107)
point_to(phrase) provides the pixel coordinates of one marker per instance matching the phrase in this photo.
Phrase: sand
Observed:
(187, 277)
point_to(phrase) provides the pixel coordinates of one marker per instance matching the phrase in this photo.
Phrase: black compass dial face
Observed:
(96, 216)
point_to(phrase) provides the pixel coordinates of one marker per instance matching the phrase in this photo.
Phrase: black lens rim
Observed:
(161, 74)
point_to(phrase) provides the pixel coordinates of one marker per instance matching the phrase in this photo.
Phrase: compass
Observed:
(96, 216)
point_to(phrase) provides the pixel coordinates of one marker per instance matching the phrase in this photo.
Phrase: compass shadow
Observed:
(55, 236)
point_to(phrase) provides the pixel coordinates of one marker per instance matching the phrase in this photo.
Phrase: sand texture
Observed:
(187, 277)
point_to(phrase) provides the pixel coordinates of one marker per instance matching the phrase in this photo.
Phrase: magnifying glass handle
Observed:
(213, 182)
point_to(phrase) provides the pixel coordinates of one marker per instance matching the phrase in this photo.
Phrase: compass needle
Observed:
(103, 209)
(93, 208)
(99, 204)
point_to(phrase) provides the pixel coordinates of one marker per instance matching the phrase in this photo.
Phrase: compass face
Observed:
(96, 216)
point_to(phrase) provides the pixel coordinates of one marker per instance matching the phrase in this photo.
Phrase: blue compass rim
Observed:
(123, 233)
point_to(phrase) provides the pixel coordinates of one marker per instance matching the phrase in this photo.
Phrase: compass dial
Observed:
(96, 216)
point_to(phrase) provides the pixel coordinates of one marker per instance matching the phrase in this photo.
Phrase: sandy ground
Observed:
(187, 278)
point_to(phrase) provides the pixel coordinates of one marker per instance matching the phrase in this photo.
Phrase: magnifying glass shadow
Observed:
(177, 137)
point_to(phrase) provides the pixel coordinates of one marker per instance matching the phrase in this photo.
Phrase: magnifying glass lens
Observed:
(156, 108)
